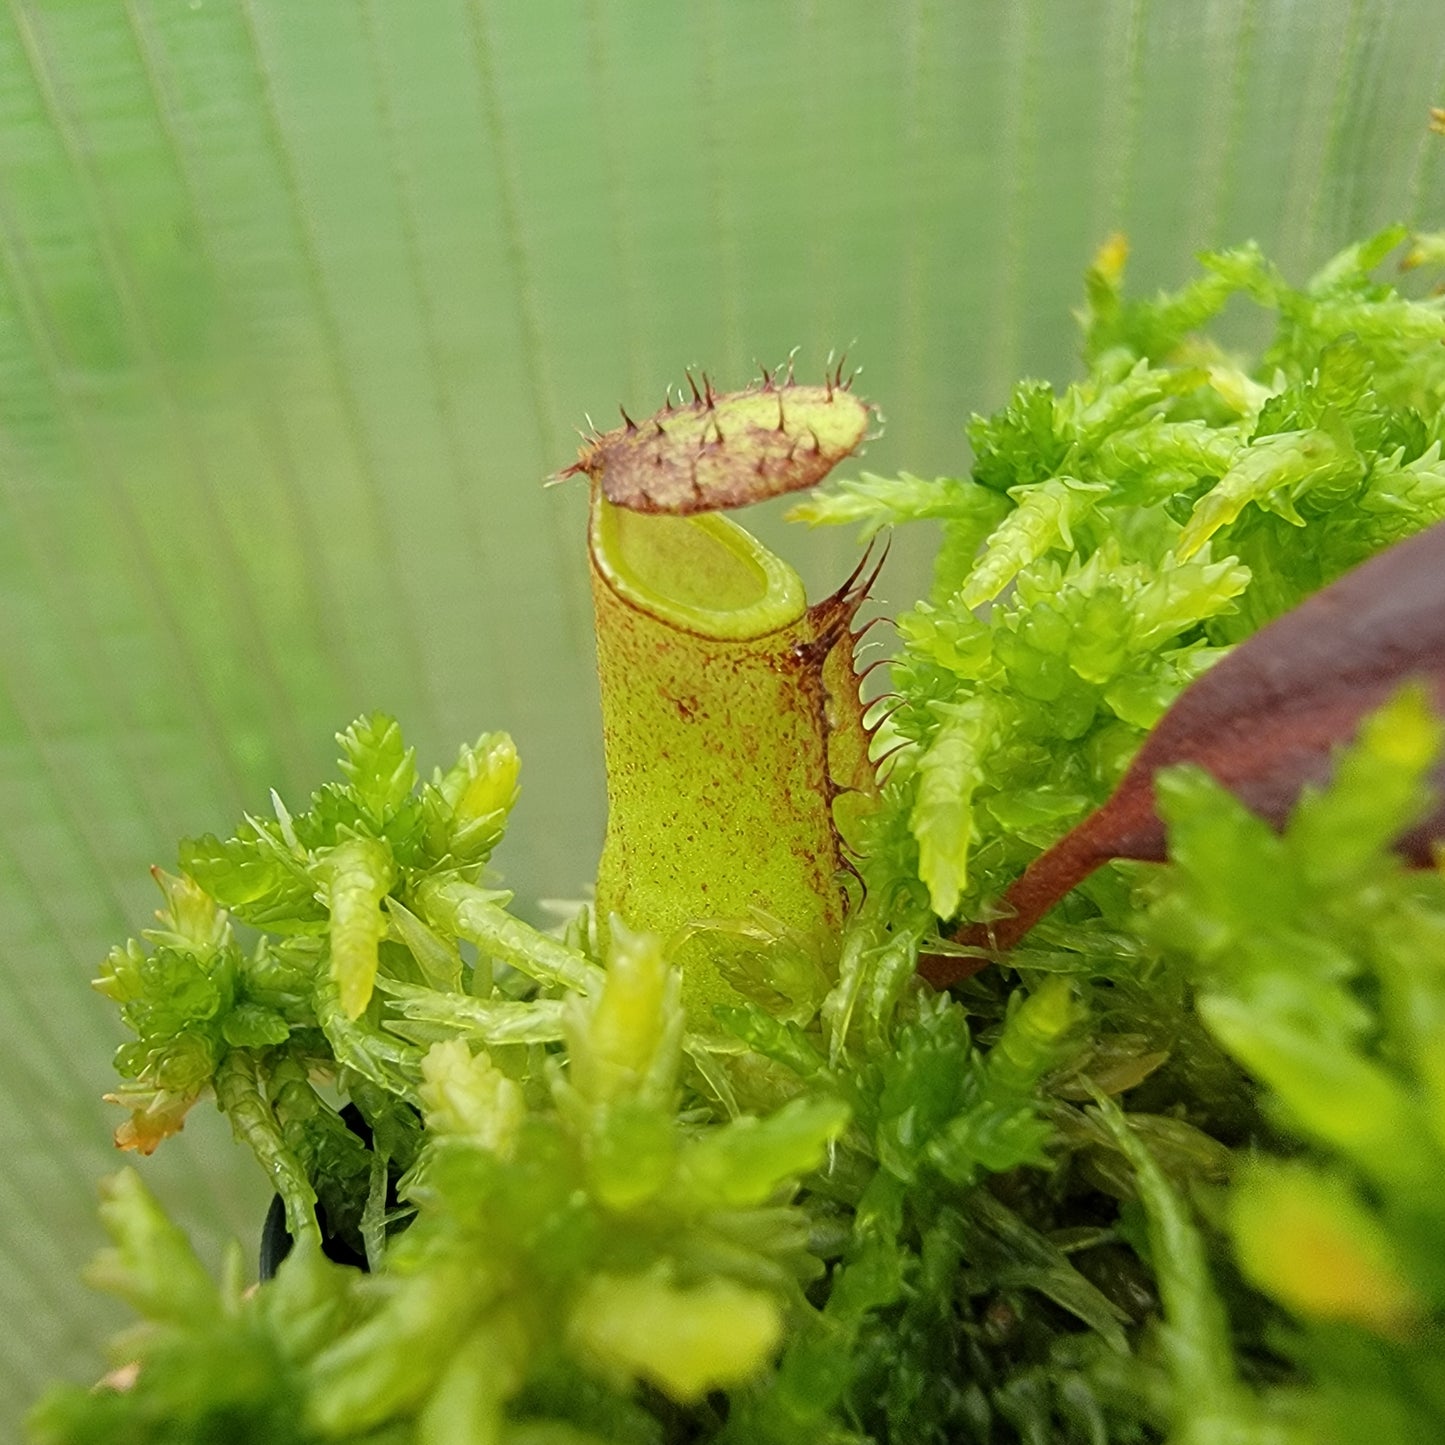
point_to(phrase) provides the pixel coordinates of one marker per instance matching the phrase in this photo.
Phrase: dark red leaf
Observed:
(1265, 721)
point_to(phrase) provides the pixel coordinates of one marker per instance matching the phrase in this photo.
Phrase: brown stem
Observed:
(1032, 894)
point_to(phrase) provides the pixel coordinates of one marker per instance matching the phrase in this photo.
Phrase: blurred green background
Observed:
(300, 301)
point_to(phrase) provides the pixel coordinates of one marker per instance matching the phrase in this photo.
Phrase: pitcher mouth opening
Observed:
(703, 573)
